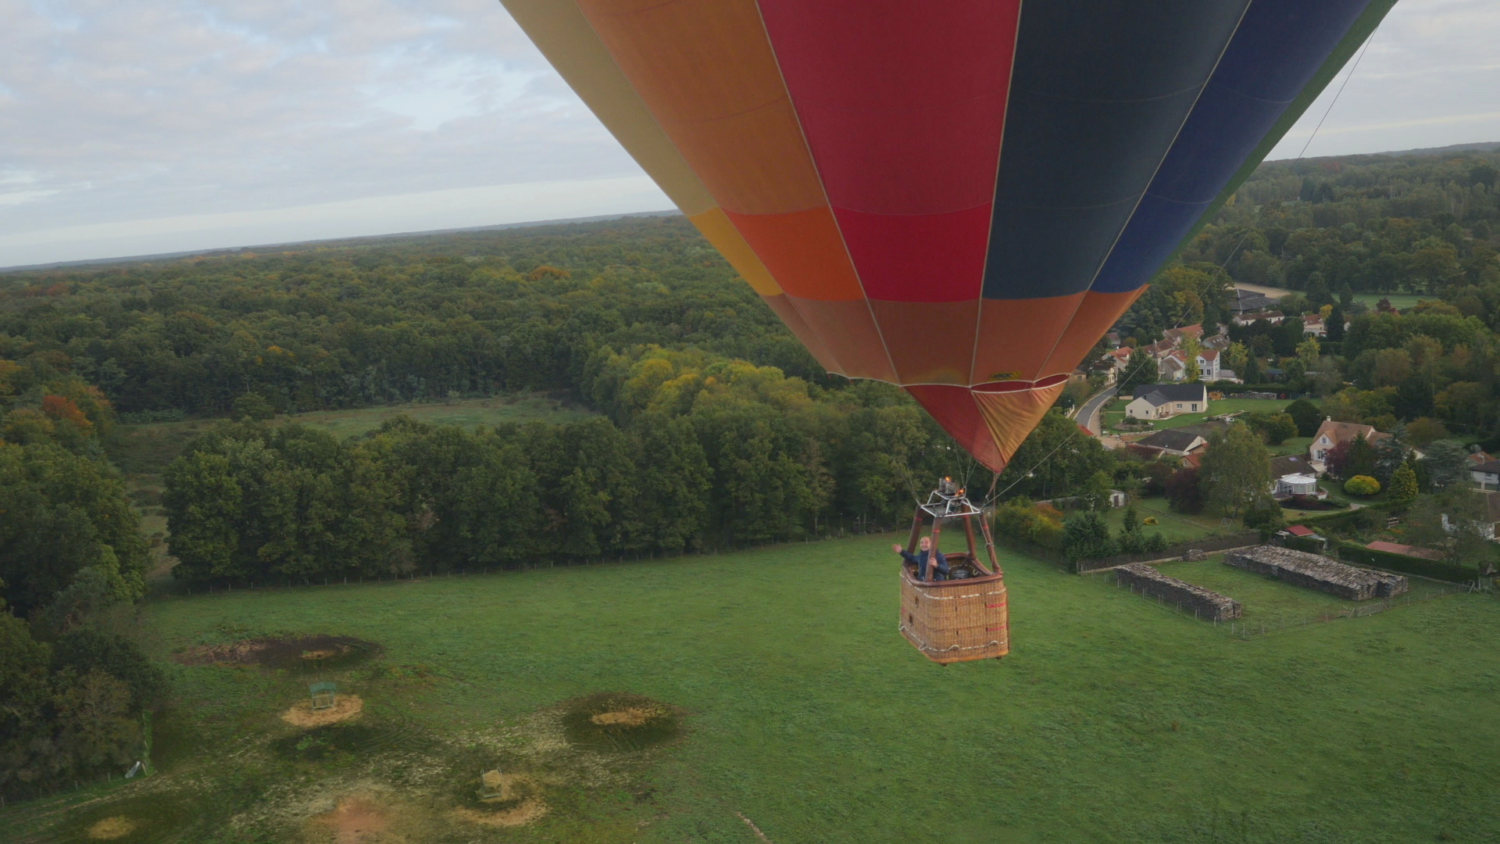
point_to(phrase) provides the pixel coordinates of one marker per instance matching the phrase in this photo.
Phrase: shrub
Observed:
(1086, 536)
(1156, 543)
(89, 650)
(1183, 492)
(1310, 502)
(1263, 517)
(1150, 520)
(1361, 485)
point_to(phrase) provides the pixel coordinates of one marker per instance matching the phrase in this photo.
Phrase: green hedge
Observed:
(1369, 517)
(1304, 543)
(1411, 565)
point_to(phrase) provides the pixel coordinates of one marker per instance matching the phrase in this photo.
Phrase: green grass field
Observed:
(803, 711)
(1399, 301)
(147, 449)
(1267, 600)
(1176, 527)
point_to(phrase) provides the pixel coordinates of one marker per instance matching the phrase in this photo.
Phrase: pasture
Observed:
(797, 707)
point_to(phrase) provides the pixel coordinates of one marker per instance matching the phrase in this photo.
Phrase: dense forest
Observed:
(714, 428)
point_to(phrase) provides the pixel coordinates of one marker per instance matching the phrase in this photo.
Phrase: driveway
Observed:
(1088, 415)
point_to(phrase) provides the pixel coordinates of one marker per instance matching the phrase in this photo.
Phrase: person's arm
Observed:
(942, 562)
(910, 557)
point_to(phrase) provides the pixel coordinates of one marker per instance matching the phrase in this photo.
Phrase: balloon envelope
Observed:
(957, 196)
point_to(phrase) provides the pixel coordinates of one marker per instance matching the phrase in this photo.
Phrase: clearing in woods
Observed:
(684, 700)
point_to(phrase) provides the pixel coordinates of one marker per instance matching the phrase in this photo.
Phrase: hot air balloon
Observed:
(956, 196)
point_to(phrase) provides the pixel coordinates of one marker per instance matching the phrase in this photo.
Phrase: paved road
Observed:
(1088, 415)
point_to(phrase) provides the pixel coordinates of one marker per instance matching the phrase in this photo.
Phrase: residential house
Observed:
(1487, 475)
(1208, 364)
(1273, 317)
(1178, 335)
(1248, 301)
(1173, 367)
(1331, 433)
(1159, 350)
(1218, 342)
(1313, 324)
(1163, 401)
(1112, 339)
(1174, 442)
(1119, 358)
(1294, 476)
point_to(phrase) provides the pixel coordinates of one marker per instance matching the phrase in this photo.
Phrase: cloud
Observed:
(122, 112)
(1428, 78)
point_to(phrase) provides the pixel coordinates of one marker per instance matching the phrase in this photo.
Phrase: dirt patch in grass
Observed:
(528, 811)
(634, 716)
(162, 816)
(111, 828)
(619, 722)
(301, 653)
(357, 819)
(345, 707)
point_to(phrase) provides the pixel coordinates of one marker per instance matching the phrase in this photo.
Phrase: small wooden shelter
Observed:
(324, 695)
(965, 617)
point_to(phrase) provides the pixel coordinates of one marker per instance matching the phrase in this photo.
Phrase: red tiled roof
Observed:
(1299, 530)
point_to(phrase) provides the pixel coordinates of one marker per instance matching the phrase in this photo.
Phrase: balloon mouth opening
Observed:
(1018, 386)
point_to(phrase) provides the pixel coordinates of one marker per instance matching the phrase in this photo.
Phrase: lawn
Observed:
(147, 449)
(805, 713)
(1399, 301)
(1225, 406)
(1295, 446)
(1267, 600)
(1176, 527)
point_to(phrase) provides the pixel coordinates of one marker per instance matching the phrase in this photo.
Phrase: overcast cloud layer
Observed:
(140, 126)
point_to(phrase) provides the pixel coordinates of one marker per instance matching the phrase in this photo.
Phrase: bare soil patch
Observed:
(634, 716)
(111, 828)
(304, 653)
(530, 810)
(345, 707)
(357, 819)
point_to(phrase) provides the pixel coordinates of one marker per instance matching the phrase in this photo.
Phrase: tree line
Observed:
(73, 689)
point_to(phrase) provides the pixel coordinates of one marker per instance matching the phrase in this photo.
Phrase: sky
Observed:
(132, 127)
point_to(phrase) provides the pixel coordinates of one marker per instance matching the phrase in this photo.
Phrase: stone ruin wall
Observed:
(1314, 571)
(1204, 603)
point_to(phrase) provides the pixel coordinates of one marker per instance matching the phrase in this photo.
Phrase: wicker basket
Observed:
(956, 620)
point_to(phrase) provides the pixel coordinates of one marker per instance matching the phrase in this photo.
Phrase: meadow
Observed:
(803, 712)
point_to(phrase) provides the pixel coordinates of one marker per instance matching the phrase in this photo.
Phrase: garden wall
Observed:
(1204, 603)
(1314, 571)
